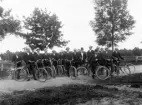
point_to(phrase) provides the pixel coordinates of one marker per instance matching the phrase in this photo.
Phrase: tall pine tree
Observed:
(112, 22)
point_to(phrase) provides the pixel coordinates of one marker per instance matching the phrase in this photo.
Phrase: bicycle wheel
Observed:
(102, 72)
(20, 74)
(60, 70)
(72, 72)
(131, 68)
(89, 71)
(49, 72)
(54, 71)
(13, 74)
(82, 71)
(41, 75)
(64, 70)
(125, 70)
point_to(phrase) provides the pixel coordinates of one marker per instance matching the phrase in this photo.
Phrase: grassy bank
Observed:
(78, 94)
(129, 79)
(67, 94)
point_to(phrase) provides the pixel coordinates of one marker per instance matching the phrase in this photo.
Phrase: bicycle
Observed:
(53, 68)
(22, 73)
(72, 69)
(102, 72)
(60, 67)
(40, 72)
(129, 66)
(125, 69)
(47, 65)
(113, 68)
(82, 70)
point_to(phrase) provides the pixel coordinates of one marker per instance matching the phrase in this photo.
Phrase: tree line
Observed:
(42, 29)
(124, 52)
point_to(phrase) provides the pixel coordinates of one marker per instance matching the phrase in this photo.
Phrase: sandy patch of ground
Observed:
(11, 85)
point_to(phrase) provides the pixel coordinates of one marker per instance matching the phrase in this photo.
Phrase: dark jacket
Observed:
(61, 56)
(27, 57)
(117, 55)
(37, 56)
(100, 56)
(76, 56)
(82, 57)
(16, 58)
(90, 54)
(68, 55)
(55, 56)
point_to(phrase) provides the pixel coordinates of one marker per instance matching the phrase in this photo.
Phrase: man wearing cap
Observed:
(90, 53)
(68, 58)
(76, 58)
(93, 62)
(54, 58)
(82, 55)
(27, 57)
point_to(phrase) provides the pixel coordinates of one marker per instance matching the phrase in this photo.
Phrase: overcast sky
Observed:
(75, 16)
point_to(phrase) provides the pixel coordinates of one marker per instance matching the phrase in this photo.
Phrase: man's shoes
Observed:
(35, 79)
(28, 79)
(93, 76)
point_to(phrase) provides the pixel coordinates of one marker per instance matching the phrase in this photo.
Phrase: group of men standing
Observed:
(77, 57)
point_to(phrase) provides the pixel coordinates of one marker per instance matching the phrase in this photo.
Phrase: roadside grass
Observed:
(65, 95)
(73, 94)
(117, 80)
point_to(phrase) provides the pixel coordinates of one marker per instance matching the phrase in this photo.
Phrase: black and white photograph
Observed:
(70, 52)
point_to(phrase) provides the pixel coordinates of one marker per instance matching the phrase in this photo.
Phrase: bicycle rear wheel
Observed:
(54, 71)
(82, 71)
(102, 73)
(125, 70)
(131, 68)
(20, 74)
(49, 72)
(89, 71)
(72, 72)
(60, 70)
(64, 70)
(41, 75)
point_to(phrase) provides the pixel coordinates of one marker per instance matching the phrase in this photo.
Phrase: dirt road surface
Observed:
(11, 85)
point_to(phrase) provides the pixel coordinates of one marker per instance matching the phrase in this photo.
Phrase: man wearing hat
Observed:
(54, 58)
(76, 58)
(68, 58)
(90, 53)
(27, 57)
(82, 55)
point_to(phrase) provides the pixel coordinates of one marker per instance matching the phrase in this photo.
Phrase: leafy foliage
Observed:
(43, 30)
(112, 22)
(7, 23)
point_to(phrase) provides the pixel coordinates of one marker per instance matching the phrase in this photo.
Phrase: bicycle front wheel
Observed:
(64, 70)
(131, 68)
(82, 71)
(41, 75)
(54, 71)
(60, 70)
(20, 74)
(102, 73)
(49, 72)
(72, 72)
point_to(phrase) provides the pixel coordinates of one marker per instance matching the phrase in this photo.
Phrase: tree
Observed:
(43, 30)
(7, 23)
(136, 51)
(112, 22)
